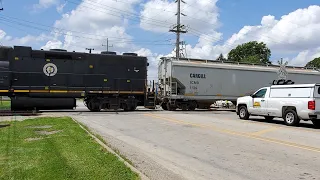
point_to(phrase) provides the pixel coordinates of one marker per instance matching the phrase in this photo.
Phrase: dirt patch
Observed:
(40, 127)
(3, 158)
(47, 132)
(33, 139)
(4, 125)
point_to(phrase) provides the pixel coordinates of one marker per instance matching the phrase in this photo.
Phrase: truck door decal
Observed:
(256, 104)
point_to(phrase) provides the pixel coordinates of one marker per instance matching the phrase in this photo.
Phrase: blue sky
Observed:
(233, 15)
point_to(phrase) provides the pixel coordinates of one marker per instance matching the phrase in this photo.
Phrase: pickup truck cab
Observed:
(291, 102)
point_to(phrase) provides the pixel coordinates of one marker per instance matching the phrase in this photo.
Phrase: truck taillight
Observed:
(312, 105)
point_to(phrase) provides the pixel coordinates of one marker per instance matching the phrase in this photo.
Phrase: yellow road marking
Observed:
(276, 141)
(265, 131)
(270, 125)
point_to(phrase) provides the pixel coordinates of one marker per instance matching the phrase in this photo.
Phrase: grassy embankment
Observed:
(55, 148)
(5, 104)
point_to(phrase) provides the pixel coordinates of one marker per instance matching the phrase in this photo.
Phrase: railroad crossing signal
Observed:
(282, 73)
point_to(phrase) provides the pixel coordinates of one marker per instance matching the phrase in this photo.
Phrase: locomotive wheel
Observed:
(125, 107)
(94, 105)
(133, 108)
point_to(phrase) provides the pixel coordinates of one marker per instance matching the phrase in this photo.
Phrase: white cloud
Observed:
(28, 40)
(159, 15)
(92, 22)
(153, 59)
(292, 33)
(304, 57)
(44, 4)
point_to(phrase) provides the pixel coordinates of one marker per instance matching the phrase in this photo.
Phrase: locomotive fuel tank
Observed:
(31, 103)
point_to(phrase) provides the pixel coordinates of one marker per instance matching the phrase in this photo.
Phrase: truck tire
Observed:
(291, 118)
(243, 113)
(316, 123)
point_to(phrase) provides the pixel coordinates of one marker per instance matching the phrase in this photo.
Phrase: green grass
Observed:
(5, 104)
(68, 154)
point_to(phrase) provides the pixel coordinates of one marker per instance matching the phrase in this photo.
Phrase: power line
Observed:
(9, 18)
(78, 36)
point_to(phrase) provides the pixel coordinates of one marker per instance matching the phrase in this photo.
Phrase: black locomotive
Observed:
(54, 79)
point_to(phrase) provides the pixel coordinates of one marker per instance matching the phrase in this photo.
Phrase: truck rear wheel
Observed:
(291, 118)
(243, 113)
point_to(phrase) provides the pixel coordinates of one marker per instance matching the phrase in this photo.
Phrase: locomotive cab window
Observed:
(3, 53)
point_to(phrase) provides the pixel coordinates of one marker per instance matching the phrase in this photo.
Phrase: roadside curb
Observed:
(142, 176)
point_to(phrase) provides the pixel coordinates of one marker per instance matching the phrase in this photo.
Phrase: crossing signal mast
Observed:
(179, 28)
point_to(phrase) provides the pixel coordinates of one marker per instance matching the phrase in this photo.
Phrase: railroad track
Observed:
(18, 113)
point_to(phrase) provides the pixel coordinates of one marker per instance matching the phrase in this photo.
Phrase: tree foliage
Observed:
(251, 52)
(315, 63)
(221, 58)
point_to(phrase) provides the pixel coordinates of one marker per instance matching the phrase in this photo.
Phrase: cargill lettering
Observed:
(201, 76)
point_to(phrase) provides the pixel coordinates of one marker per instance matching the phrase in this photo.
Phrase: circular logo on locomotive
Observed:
(50, 69)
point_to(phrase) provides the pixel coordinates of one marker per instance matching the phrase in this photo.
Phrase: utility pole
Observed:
(178, 28)
(107, 44)
(1, 9)
(89, 49)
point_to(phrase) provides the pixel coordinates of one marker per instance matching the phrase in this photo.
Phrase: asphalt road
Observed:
(208, 144)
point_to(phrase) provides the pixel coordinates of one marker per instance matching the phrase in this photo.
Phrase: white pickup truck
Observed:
(292, 102)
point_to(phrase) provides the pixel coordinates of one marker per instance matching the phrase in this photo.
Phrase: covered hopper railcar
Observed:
(53, 79)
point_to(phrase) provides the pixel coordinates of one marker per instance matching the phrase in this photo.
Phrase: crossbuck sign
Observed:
(282, 73)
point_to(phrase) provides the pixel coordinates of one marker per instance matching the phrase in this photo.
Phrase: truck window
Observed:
(316, 91)
(260, 94)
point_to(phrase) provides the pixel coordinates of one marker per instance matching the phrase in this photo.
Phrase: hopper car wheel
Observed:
(184, 107)
(164, 106)
(170, 107)
(192, 106)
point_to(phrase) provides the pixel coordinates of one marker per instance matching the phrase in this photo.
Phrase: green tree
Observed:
(251, 52)
(221, 57)
(315, 63)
